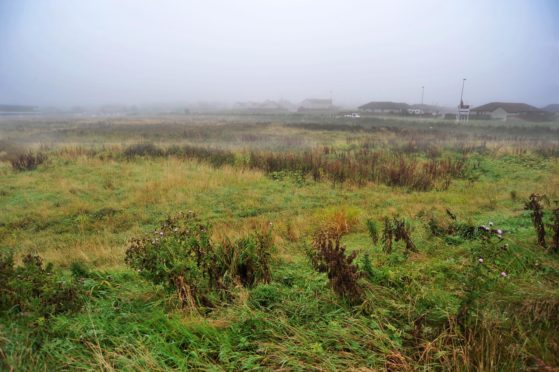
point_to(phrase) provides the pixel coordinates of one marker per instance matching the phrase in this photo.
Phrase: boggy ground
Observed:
(91, 196)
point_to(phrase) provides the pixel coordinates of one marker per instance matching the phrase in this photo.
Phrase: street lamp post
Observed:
(462, 93)
(463, 110)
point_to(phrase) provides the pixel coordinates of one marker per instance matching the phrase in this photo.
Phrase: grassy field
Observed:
(107, 181)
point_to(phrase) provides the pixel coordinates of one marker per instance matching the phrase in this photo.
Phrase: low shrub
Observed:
(214, 156)
(142, 149)
(37, 290)
(387, 235)
(534, 204)
(181, 256)
(395, 230)
(454, 231)
(28, 161)
(330, 257)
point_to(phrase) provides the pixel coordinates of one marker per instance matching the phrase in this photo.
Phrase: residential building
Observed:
(385, 107)
(505, 110)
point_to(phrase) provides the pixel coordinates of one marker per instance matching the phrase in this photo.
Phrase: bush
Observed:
(32, 288)
(142, 149)
(534, 204)
(28, 161)
(215, 157)
(454, 231)
(330, 257)
(395, 230)
(181, 257)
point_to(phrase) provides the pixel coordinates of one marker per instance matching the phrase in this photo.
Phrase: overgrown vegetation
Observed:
(364, 166)
(35, 290)
(454, 228)
(359, 167)
(28, 161)
(535, 204)
(216, 294)
(372, 229)
(213, 156)
(397, 229)
(330, 257)
(181, 256)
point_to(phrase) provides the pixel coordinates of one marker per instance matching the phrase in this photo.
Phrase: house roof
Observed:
(509, 107)
(385, 106)
(551, 108)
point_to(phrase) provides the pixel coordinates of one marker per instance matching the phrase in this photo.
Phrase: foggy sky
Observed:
(67, 52)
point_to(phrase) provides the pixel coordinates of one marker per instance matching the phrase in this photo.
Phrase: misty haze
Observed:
(279, 185)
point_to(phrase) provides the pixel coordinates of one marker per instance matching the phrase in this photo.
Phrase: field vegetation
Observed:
(289, 242)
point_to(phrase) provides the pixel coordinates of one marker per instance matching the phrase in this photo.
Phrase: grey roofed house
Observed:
(552, 108)
(503, 110)
(385, 107)
(316, 105)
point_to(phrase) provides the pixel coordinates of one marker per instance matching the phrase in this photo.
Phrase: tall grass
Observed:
(363, 166)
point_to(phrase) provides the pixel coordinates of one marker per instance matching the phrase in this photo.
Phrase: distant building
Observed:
(386, 107)
(505, 110)
(266, 107)
(426, 110)
(316, 105)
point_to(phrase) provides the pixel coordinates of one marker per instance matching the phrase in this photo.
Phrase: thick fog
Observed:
(68, 52)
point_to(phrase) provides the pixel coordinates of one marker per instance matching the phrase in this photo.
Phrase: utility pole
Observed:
(463, 110)
(462, 93)
(422, 94)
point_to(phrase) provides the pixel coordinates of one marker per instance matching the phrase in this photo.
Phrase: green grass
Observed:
(86, 208)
